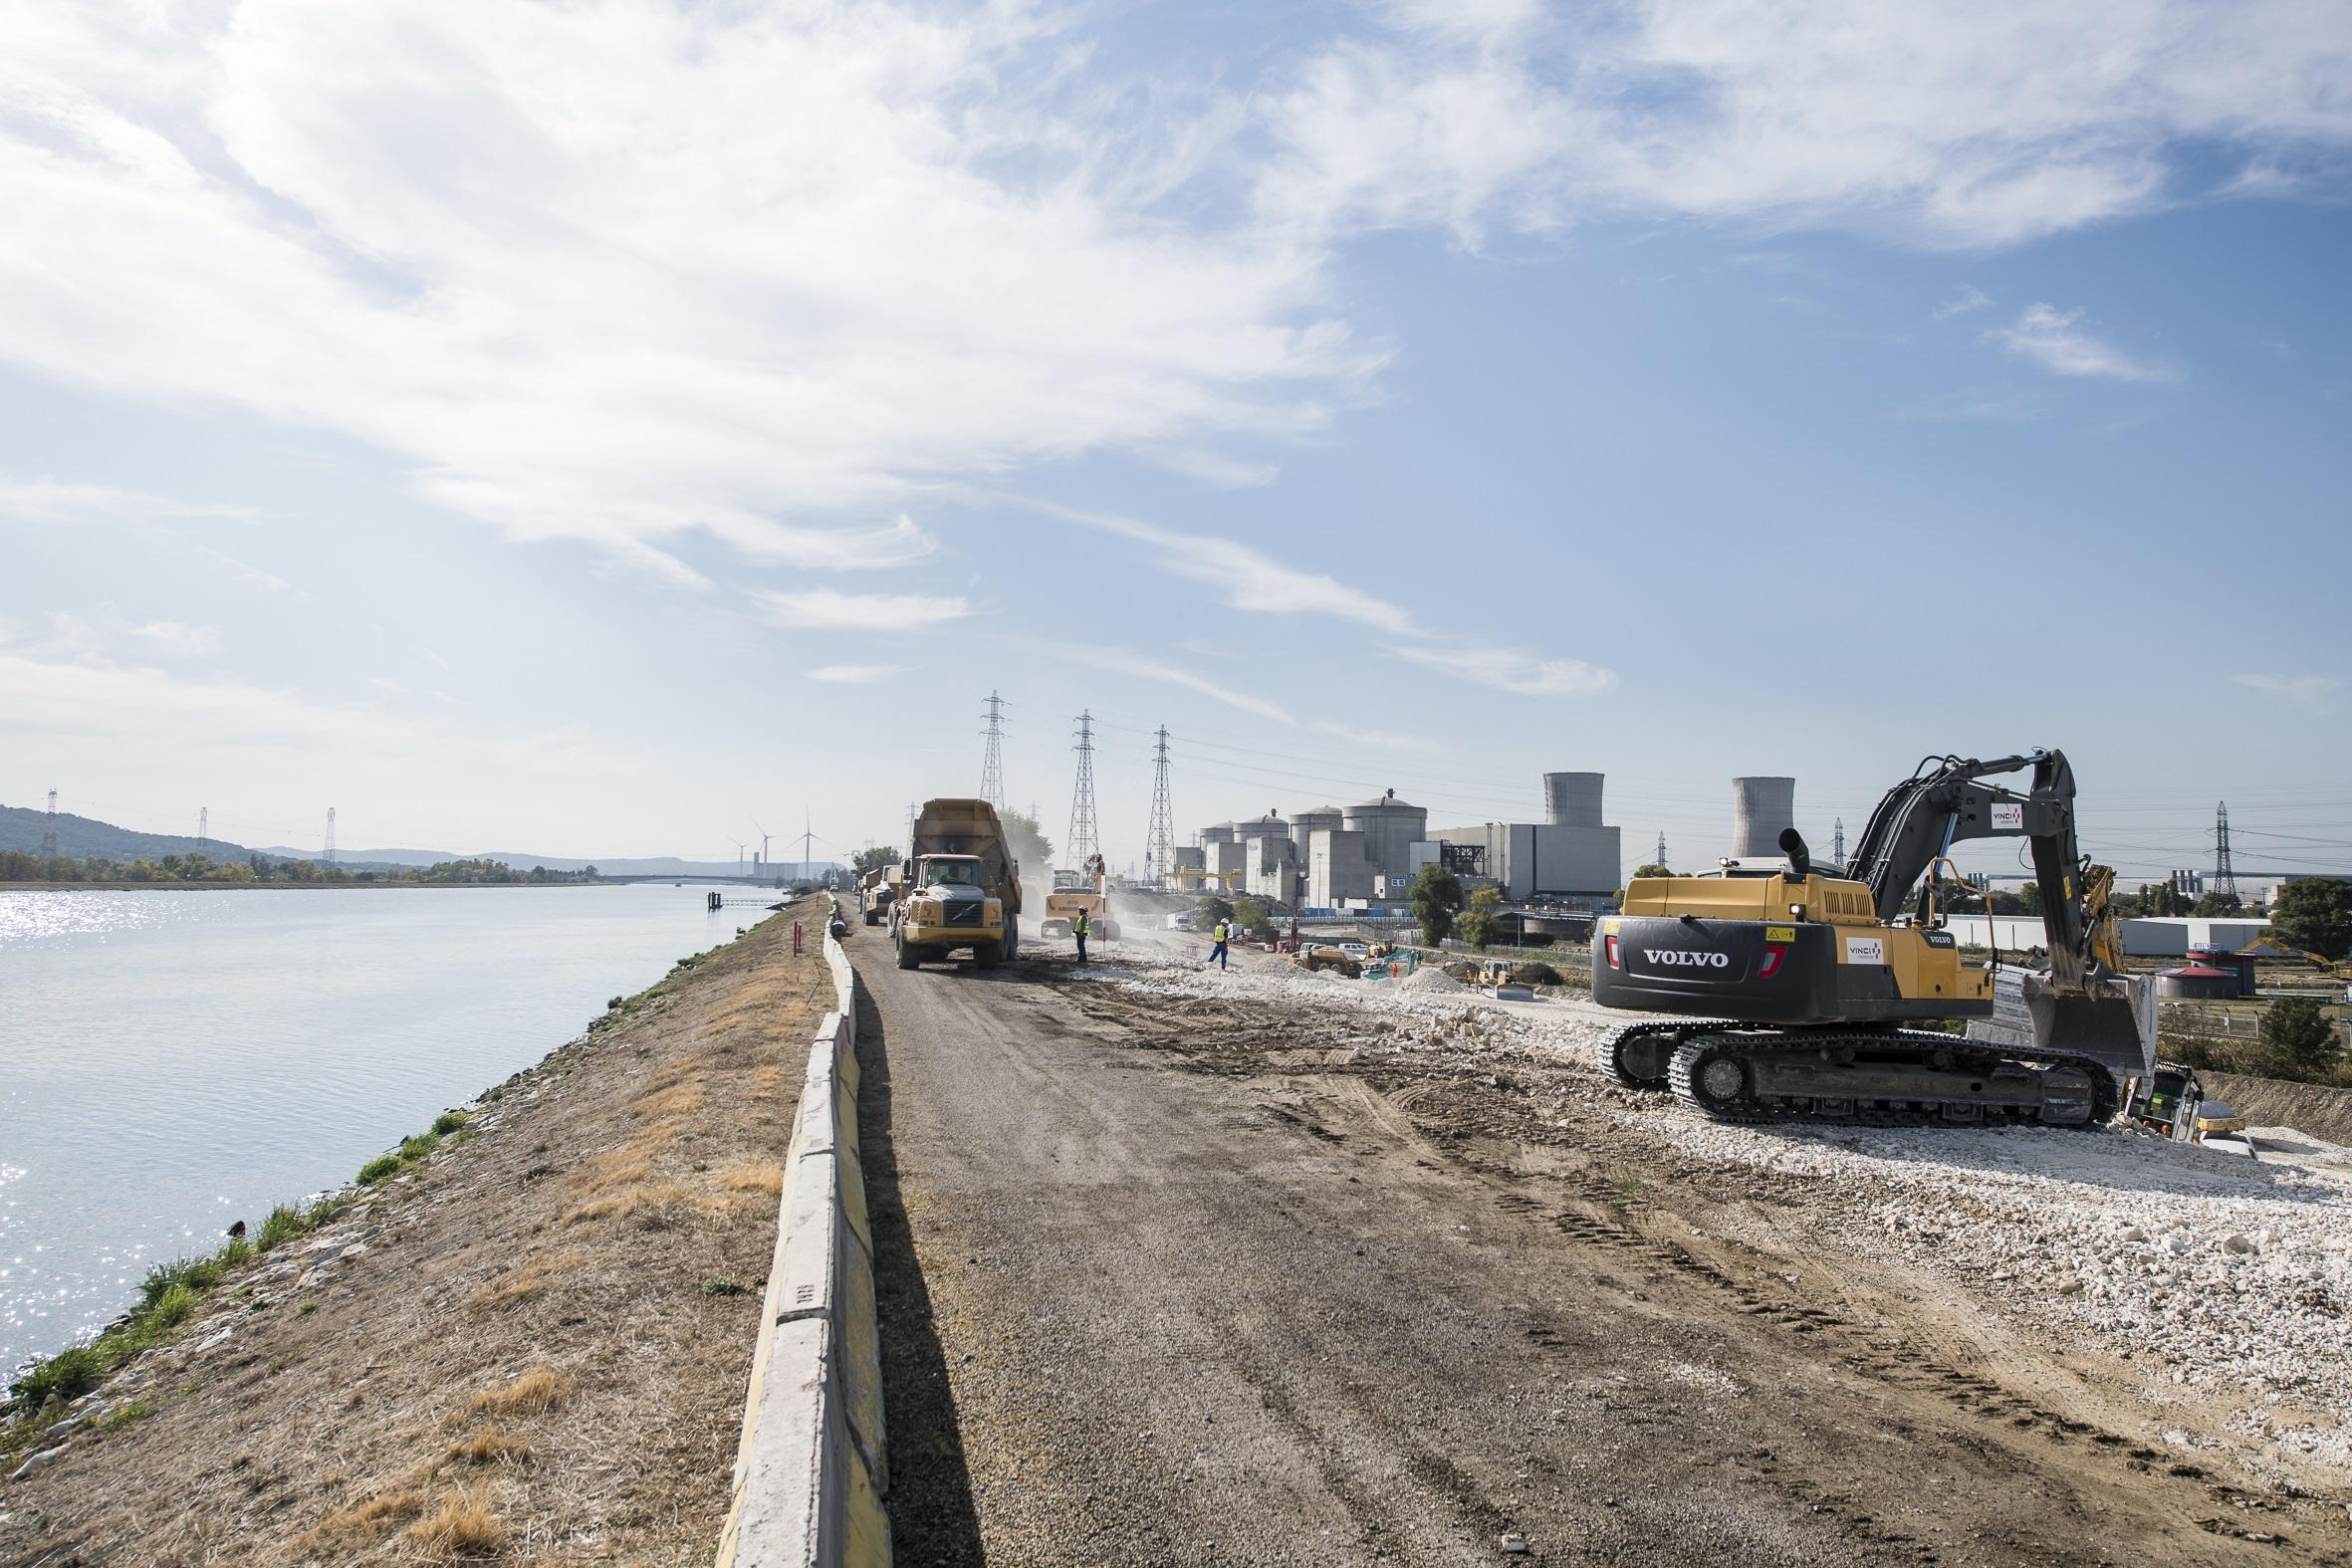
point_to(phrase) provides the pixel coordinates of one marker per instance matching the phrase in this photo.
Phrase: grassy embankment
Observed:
(174, 1293)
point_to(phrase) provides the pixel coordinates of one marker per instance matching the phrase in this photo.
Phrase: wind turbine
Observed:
(740, 847)
(806, 836)
(762, 860)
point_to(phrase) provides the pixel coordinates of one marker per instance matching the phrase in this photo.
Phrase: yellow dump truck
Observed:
(960, 887)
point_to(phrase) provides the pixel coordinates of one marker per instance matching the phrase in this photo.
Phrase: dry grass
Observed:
(461, 1527)
(518, 1286)
(622, 1166)
(488, 1446)
(650, 1204)
(759, 1176)
(679, 1099)
(541, 1389)
(364, 1517)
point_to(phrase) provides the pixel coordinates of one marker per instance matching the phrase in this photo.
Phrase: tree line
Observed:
(258, 869)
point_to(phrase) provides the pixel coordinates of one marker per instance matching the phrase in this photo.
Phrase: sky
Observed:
(600, 428)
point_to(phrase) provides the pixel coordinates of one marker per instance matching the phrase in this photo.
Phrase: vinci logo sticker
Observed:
(2008, 815)
(1866, 950)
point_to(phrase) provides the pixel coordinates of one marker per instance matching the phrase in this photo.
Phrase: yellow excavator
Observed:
(1798, 994)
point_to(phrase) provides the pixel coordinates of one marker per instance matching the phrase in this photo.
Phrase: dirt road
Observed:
(1174, 1281)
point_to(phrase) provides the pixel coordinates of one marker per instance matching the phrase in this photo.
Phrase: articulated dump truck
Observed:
(961, 887)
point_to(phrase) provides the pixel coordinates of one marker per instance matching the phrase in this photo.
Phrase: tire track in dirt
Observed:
(1588, 1213)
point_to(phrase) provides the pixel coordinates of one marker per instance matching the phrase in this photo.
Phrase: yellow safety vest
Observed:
(1078, 923)
(1221, 931)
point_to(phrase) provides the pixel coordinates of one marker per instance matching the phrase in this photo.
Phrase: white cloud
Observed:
(2058, 341)
(1509, 670)
(1944, 123)
(64, 501)
(1249, 580)
(152, 707)
(177, 638)
(2311, 690)
(1969, 298)
(248, 571)
(826, 609)
(856, 674)
(624, 271)
(1127, 661)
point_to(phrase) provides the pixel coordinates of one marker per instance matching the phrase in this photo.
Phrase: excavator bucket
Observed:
(2111, 1019)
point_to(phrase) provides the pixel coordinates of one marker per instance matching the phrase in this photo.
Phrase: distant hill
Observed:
(82, 836)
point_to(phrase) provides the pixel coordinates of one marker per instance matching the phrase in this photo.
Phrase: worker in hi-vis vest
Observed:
(1222, 932)
(1079, 927)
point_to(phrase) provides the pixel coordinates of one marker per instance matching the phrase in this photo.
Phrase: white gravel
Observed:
(2234, 1274)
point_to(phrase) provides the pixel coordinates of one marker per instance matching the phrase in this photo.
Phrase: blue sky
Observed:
(593, 430)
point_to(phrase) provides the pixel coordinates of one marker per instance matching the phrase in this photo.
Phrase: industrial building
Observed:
(1572, 857)
(1763, 808)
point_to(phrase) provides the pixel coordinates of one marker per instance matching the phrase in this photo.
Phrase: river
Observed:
(173, 1061)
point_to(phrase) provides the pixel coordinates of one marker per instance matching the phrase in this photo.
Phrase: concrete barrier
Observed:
(811, 1469)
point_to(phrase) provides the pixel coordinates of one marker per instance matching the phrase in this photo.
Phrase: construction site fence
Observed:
(811, 1470)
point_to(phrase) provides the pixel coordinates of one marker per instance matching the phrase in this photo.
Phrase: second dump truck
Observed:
(960, 887)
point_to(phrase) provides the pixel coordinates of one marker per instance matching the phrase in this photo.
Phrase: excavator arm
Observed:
(1948, 799)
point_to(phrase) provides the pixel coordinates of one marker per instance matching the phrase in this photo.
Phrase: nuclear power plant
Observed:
(1763, 808)
(1334, 857)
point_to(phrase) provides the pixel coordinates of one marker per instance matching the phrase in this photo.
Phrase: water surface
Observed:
(171, 1062)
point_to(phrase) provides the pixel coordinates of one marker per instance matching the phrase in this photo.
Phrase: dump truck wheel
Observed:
(909, 956)
(988, 955)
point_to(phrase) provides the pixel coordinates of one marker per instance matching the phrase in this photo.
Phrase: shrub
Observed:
(419, 1146)
(68, 1375)
(196, 1275)
(723, 1286)
(170, 1309)
(381, 1168)
(448, 1122)
(2295, 1029)
(283, 1225)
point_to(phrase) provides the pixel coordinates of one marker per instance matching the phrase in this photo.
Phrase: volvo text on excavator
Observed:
(1818, 995)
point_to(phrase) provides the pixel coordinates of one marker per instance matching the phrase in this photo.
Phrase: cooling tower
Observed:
(1571, 800)
(1761, 809)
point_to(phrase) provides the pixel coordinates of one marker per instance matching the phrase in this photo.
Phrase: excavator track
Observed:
(1770, 1075)
(1636, 1055)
